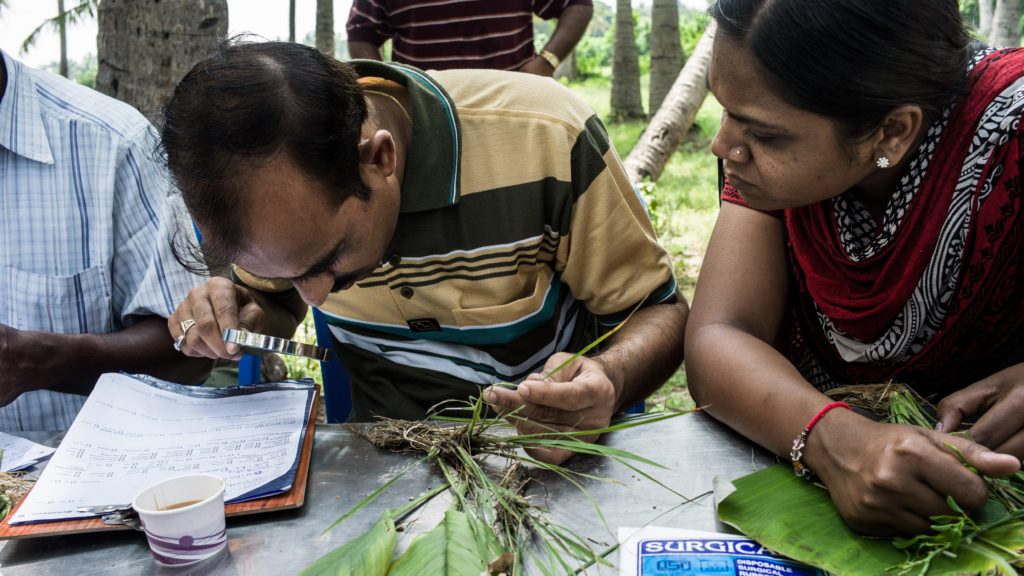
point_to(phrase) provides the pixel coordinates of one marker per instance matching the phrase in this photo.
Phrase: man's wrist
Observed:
(612, 372)
(39, 354)
(551, 58)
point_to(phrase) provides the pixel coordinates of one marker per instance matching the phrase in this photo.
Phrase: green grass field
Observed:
(683, 203)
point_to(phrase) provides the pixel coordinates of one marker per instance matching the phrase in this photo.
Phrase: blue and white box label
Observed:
(655, 551)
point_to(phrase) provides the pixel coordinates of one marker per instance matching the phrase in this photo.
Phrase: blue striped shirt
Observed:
(86, 218)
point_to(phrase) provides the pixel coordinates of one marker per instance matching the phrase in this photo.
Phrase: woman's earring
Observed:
(882, 162)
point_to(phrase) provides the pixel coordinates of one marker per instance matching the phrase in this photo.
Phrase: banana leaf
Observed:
(797, 519)
(368, 555)
(460, 545)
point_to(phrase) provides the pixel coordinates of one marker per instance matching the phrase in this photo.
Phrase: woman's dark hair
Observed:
(250, 101)
(853, 60)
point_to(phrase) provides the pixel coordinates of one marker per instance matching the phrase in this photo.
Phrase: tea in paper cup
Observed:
(183, 518)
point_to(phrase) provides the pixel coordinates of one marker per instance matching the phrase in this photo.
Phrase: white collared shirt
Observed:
(87, 215)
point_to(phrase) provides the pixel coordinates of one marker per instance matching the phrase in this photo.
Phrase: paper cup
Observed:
(183, 518)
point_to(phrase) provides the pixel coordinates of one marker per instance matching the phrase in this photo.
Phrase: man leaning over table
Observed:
(458, 228)
(87, 275)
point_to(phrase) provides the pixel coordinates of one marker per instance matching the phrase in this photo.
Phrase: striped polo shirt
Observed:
(446, 34)
(519, 236)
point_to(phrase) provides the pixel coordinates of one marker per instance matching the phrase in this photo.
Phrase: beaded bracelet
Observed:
(796, 454)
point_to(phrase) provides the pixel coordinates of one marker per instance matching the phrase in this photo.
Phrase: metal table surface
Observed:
(344, 468)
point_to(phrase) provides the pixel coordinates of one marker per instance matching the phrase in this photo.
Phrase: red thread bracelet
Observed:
(796, 454)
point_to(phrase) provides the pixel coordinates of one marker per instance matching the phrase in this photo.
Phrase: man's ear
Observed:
(378, 153)
(899, 131)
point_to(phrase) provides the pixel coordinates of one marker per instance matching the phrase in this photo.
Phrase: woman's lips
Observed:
(739, 183)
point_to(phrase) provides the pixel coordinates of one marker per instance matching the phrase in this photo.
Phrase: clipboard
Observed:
(293, 498)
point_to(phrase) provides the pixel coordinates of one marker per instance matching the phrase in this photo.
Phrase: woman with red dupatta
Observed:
(870, 230)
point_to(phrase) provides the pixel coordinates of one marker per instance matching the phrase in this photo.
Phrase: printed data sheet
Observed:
(19, 453)
(130, 434)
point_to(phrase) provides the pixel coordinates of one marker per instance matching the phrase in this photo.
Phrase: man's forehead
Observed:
(290, 255)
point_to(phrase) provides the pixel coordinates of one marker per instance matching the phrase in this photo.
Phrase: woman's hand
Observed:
(997, 406)
(215, 306)
(888, 479)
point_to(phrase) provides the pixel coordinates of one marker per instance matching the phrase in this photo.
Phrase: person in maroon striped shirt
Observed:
(445, 34)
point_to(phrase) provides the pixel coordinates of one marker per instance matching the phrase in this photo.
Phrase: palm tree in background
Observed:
(325, 26)
(83, 10)
(291, 20)
(985, 10)
(671, 122)
(627, 103)
(146, 46)
(1005, 24)
(666, 52)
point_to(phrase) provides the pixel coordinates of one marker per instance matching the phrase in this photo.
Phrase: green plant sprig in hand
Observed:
(597, 342)
(949, 531)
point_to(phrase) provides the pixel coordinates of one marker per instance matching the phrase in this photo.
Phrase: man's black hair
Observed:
(247, 103)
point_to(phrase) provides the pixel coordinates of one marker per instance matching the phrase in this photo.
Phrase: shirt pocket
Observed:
(72, 304)
(522, 310)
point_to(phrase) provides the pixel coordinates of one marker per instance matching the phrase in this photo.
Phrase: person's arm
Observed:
(71, 363)
(587, 393)
(646, 351)
(363, 50)
(572, 24)
(883, 478)
(368, 27)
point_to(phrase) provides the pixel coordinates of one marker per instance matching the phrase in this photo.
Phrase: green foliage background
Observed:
(594, 52)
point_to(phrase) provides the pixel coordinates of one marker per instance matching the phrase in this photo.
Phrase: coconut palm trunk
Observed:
(627, 103)
(1006, 24)
(675, 116)
(325, 26)
(146, 46)
(985, 9)
(666, 52)
(62, 27)
(291, 20)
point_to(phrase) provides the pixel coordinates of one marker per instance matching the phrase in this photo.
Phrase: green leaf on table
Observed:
(797, 519)
(460, 545)
(368, 555)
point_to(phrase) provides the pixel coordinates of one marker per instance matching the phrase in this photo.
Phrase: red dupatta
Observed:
(864, 299)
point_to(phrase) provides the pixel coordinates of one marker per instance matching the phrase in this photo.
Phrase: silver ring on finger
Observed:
(185, 325)
(178, 342)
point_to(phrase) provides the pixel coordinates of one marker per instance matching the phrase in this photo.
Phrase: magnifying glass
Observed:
(265, 343)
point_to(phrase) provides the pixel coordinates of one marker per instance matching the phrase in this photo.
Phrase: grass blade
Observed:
(367, 555)
(372, 496)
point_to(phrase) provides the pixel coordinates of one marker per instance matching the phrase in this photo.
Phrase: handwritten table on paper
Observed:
(130, 434)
